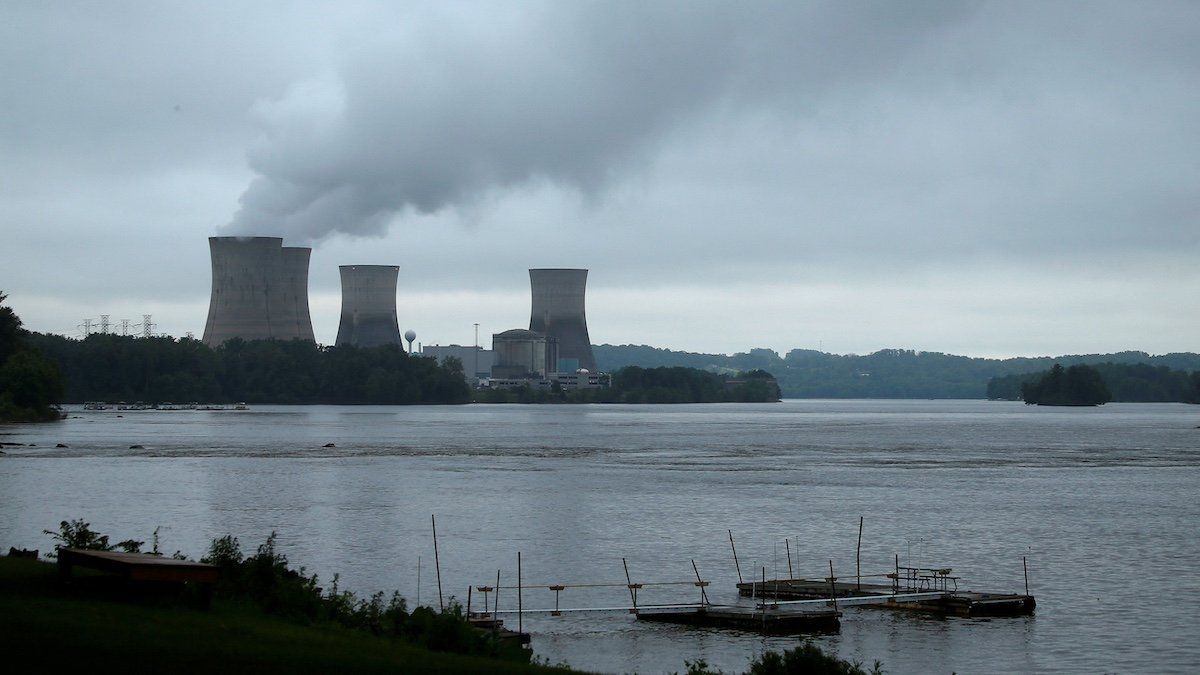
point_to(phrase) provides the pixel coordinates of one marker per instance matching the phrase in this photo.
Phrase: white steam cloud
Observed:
(434, 113)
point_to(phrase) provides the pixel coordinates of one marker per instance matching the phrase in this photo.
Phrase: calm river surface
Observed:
(1104, 502)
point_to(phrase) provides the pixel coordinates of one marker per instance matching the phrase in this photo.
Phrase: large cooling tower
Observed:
(259, 290)
(368, 306)
(558, 312)
(292, 298)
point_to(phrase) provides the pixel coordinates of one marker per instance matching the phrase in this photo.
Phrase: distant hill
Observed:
(888, 373)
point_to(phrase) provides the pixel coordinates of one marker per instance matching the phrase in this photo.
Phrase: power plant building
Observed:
(259, 291)
(368, 306)
(476, 362)
(558, 313)
(524, 354)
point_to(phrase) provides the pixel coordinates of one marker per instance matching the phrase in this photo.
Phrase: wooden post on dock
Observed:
(631, 585)
(735, 560)
(468, 602)
(896, 579)
(520, 607)
(764, 604)
(496, 604)
(1025, 566)
(858, 557)
(418, 581)
(437, 563)
(787, 545)
(700, 582)
(832, 586)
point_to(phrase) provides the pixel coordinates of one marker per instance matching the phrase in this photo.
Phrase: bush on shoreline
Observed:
(805, 659)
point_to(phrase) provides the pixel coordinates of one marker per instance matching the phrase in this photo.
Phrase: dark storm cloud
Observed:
(448, 107)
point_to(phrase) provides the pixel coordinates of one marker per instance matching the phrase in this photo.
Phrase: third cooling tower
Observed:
(368, 306)
(558, 312)
(259, 290)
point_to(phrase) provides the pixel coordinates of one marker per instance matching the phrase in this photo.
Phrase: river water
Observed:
(1103, 502)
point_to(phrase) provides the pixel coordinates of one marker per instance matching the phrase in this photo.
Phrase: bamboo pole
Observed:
(787, 545)
(858, 557)
(832, 586)
(700, 583)
(764, 604)
(629, 583)
(520, 608)
(437, 563)
(735, 560)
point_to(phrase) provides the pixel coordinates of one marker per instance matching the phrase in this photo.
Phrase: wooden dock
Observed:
(767, 619)
(945, 601)
(486, 623)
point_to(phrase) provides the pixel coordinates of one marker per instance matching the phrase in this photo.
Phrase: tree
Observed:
(10, 331)
(1077, 385)
(29, 384)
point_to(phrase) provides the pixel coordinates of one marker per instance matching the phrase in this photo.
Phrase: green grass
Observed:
(48, 625)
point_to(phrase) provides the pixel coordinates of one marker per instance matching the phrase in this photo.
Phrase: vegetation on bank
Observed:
(90, 626)
(653, 385)
(30, 385)
(159, 369)
(1129, 383)
(265, 583)
(888, 373)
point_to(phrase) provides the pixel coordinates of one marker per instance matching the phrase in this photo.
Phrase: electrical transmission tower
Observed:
(124, 326)
(104, 324)
(147, 326)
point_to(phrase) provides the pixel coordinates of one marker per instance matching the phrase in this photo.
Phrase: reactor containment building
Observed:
(368, 306)
(558, 313)
(259, 290)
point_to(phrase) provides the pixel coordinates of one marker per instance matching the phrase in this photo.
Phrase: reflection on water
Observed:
(1102, 501)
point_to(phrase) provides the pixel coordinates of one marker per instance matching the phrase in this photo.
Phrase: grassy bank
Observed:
(49, 625)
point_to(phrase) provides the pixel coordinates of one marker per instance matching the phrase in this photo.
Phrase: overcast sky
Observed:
(989, 179)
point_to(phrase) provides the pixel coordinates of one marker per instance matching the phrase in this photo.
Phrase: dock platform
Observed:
(768, 619)
(945, 601)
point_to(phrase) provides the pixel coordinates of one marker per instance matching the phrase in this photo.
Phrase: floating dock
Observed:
(913, 589)
(771, 619)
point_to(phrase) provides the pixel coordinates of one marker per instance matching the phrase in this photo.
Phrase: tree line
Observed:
(887, 373)
(105, 367)
(1125, 382)
(634, 384)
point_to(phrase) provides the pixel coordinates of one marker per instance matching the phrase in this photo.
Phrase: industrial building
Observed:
(368, 306)
(259, 290)
(477, 362)
(558, 313)
(524, 354)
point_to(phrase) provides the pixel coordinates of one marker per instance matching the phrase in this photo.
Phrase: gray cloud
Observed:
(754, 155)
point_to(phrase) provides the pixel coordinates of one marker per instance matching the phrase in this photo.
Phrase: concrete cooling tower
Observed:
(368, 306)
(293, 305)
(558, 313)
(259, 290)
